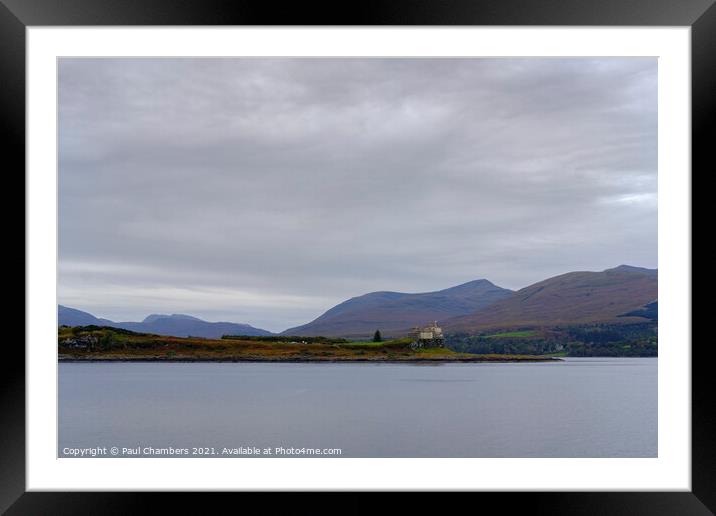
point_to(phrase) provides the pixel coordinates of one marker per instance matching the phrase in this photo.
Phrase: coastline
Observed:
(490, 359)
(105, 344)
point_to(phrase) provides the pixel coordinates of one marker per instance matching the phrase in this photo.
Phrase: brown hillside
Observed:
(572, 298)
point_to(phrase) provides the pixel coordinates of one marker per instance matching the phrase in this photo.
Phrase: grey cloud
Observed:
(266, 190)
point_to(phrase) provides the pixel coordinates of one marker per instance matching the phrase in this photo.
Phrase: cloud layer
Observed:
(266, 190)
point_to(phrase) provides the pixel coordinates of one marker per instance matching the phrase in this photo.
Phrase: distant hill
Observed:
(176, 325)
(612, 295)
(156, 317)
(72, 317)
(394, 311)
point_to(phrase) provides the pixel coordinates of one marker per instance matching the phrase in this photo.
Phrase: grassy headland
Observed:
(104, 343)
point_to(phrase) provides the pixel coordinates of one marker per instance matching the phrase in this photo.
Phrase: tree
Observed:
(377, 337)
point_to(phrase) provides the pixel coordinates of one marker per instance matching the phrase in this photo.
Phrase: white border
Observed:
(670, 471)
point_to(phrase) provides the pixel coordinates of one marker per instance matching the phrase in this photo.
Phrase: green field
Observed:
(512, 334)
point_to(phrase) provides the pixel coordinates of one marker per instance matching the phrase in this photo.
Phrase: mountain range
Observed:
(620, 295)
(177, 325)
(392, 312)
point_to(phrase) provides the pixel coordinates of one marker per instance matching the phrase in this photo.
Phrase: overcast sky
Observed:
(267, 190)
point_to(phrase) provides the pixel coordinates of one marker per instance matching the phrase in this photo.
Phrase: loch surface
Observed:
(581, 407)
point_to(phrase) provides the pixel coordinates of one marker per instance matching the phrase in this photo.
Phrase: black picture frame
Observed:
(16, 15)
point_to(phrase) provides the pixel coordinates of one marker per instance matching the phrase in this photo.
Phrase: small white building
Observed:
(430, 336)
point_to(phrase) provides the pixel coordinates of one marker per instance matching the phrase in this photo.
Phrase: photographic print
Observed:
(357, 257)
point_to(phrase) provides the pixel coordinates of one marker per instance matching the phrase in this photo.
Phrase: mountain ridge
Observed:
(175, 325)
(391, 311)
(579, 297)
(619, 295)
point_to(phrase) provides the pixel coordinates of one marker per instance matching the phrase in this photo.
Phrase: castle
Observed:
(430, 336)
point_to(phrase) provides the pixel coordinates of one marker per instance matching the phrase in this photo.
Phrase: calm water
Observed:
(589, 407)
